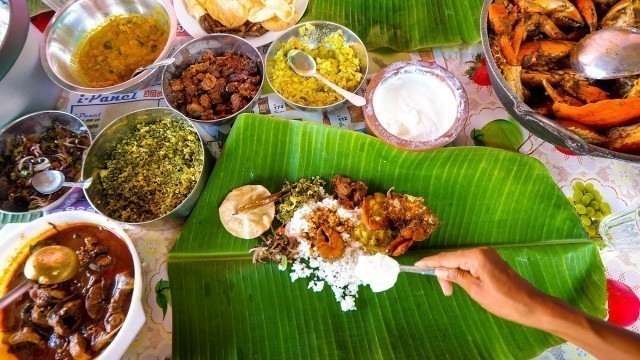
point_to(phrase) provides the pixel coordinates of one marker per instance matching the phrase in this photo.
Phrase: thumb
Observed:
(458, 276)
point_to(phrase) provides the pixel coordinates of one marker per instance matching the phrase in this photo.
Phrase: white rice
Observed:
(338, 274)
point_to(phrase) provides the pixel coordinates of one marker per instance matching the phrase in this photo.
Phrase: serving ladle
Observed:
(50, 181)
(304, 65)
(48, 265)
(164, 62)
(609, 53)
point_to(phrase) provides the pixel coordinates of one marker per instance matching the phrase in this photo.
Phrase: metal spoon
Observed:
(304, 65)
(164, 62)
(417, 270)
(50, 181)
(48, 265)
(609, 53)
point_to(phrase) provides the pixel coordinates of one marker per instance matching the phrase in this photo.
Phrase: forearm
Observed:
(600, 338)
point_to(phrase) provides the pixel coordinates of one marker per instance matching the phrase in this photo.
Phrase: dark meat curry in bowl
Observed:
(78, 318)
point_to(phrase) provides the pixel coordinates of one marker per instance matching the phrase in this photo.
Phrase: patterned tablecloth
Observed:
(618, 182)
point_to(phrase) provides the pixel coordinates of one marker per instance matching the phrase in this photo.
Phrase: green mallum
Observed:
(297, 194)
(151, 171)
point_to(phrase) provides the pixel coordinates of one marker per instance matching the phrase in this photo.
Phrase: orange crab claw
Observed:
(588, 11)
(557, 97)
(507, 51)
(602, 114)
(542, 53)
(499, 17)
(399, 246)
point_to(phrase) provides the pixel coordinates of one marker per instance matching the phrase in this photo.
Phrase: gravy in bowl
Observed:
(78, 318)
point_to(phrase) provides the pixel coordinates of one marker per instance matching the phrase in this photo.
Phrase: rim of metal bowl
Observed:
(203, 149)
(288, 33)
(521, 106)
(64, 196)
(223, 120)
(131, 83)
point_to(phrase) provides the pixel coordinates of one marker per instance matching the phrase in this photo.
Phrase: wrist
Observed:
(556, 317)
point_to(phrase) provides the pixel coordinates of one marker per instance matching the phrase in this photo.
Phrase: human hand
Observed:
(488, 280)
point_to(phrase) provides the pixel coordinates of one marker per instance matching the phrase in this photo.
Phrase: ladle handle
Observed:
(355, 99)
(15, 293)
(417, 270)
(574, 142)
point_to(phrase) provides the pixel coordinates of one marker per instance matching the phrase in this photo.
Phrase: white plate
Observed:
(192, 26)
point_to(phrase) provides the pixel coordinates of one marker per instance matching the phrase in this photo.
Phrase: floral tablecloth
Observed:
(488, 125)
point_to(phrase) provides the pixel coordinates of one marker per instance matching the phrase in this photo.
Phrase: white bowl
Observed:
(17, 244)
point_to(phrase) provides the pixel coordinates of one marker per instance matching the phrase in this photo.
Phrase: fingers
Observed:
(469, 260)
(458, 276)
(447, 288)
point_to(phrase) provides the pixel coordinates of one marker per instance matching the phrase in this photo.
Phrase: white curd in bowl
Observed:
(415, 105)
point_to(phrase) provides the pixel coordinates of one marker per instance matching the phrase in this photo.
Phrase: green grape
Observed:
(595, 205)
(589, 187)
(577, 196)
(586, 199)
(585, 220)
(598, 216)
(590, 212)
(591, 230)
(578, 186)
(605, 208)
(596, 196)
(580, 209)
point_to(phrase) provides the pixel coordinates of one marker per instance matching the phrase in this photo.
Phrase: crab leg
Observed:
(602, 114)
(542, 53)
(588, 11)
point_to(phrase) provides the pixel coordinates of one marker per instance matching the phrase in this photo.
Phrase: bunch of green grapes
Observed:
(589, 205)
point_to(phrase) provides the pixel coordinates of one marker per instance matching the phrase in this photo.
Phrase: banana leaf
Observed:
(403, 25)
(224, 306)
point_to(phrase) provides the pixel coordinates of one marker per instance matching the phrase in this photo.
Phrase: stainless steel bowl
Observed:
(112, 135)
(322, 29)
(541, 126)
(76, 19)
(38, 123)
(218, 44)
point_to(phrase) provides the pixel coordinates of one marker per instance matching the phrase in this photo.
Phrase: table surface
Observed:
(618, 182)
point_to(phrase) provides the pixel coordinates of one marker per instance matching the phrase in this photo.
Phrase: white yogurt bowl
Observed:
(439, 80)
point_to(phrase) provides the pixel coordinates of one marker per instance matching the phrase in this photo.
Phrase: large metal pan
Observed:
(541, 126)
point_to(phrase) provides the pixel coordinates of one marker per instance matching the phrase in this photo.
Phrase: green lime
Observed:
(500, 133)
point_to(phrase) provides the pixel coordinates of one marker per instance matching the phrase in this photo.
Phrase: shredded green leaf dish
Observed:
(151, 171)
(297, 194)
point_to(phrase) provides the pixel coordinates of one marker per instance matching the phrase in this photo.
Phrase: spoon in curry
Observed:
(50, 181)
(164, 62)
(304, 65)
(48, 265)
(609, 53)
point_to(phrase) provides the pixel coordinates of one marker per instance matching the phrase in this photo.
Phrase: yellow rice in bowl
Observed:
(335, 60)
